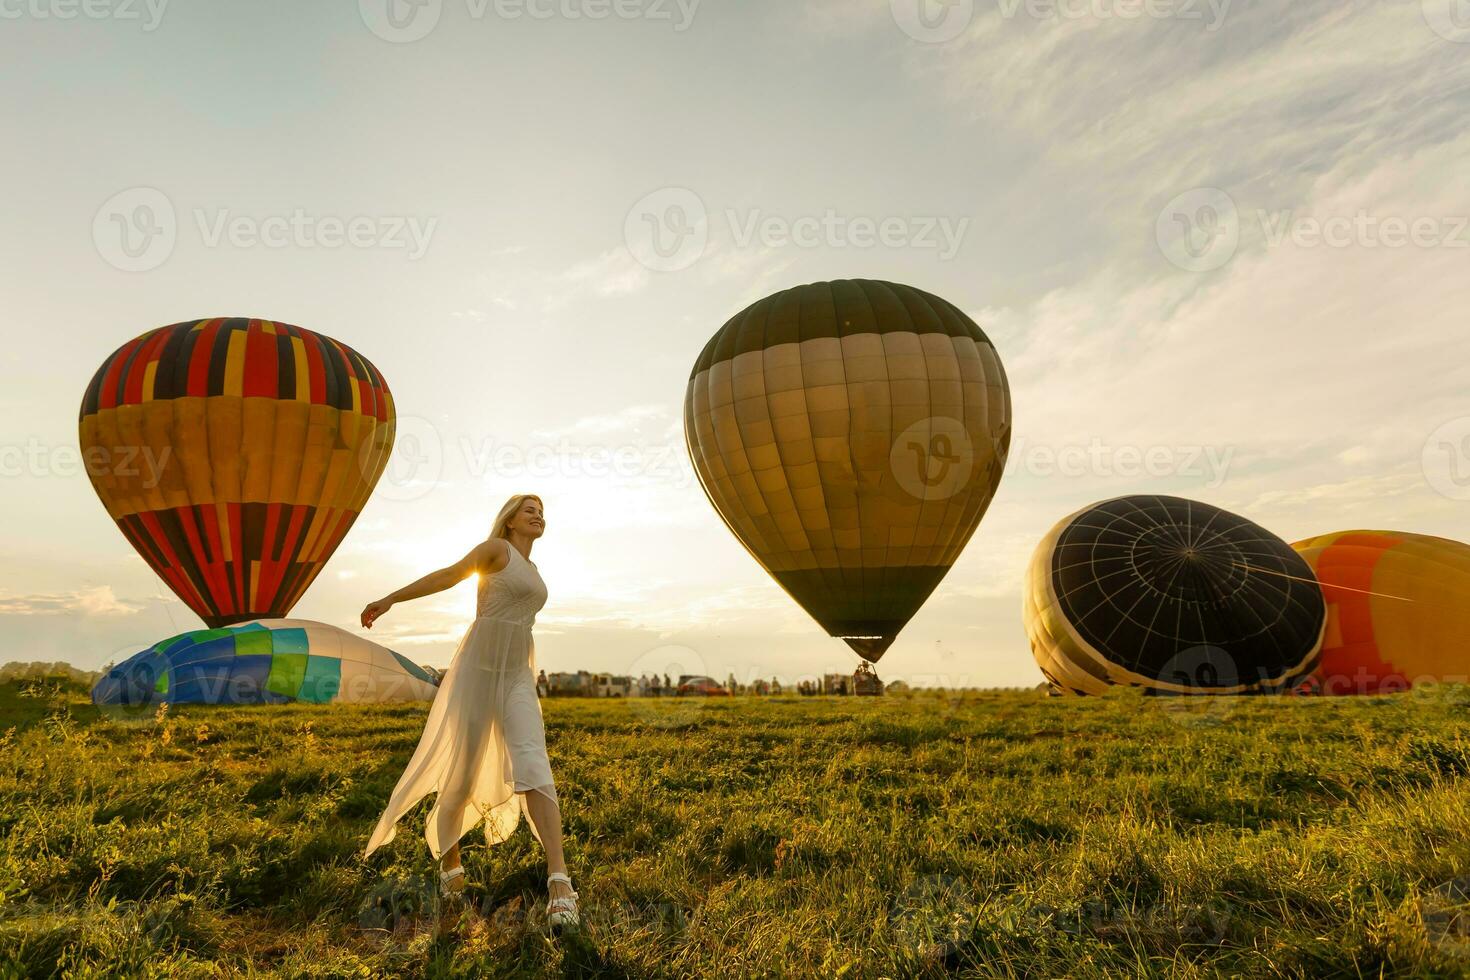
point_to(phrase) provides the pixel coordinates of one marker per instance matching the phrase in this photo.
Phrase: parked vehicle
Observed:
(701, 687)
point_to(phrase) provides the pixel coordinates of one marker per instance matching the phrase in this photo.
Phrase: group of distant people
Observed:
(649, 686)
(654, 686)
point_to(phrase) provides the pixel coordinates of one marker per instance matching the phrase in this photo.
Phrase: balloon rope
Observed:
(1298, 578)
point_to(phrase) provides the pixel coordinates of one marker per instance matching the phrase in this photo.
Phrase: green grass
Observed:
(993, 834)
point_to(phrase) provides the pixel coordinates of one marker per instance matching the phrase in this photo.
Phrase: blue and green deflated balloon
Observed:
(272, 661)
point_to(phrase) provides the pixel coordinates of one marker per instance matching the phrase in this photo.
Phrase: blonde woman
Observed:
(483, 750)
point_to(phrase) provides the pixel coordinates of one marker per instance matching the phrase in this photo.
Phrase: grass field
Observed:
(989, 834)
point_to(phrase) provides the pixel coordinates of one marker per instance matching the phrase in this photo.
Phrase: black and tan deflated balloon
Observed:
(851, 434)
(1171, 595)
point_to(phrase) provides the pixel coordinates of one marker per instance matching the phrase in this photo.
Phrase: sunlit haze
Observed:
(1220, 247)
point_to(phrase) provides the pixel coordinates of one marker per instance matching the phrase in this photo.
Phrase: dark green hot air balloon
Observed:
(851, 434)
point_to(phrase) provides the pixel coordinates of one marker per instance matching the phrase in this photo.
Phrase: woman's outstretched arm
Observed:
(487, 556)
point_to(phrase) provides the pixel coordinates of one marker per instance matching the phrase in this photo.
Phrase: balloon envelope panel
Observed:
(1171, 595)
(234, 454)
(1398, 610)
(851, 434)
(274, 661)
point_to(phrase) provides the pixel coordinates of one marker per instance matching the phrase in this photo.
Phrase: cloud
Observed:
(613, 273)
(1314, 374)
(99, 601)
(631, 420)
(760, 269)
(1271, 97)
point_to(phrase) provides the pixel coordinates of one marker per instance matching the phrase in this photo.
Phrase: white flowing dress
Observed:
(484, 744)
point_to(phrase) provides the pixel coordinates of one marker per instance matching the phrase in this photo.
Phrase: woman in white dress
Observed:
(483, 750)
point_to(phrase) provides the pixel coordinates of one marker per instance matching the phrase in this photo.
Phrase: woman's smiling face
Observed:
(529, 520)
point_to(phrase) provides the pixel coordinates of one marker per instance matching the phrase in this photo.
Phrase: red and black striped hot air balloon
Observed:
(235, 454)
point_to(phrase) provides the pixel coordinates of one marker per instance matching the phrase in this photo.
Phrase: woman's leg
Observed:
(545, 814)
(525, 733)
(450, 807)
(455, 795)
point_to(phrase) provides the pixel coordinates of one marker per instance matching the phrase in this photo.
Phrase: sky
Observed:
(1222, 248)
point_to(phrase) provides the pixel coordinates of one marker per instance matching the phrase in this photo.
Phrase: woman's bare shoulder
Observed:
(492, 554)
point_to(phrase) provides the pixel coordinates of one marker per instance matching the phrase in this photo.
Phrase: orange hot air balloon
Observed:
(851, 434)
(1398, 610)
(234, 454)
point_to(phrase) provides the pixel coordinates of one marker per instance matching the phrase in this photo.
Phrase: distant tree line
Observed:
(36, 670)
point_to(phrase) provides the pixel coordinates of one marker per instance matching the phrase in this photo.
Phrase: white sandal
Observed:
(562, 913)
(446, 883)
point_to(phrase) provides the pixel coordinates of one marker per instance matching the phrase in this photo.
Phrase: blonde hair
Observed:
(511, 508)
